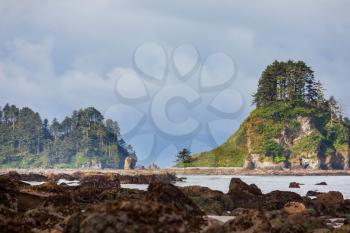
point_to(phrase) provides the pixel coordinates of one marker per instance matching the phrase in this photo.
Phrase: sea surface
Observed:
(267, 183)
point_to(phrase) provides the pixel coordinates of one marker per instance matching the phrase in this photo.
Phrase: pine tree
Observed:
(320, 94)
(184, 156)
(333, 109)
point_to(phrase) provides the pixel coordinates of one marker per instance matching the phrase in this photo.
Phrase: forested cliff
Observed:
(293, 125)
(82, 140)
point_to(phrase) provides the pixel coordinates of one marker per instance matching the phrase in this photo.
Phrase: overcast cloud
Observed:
(57, 56)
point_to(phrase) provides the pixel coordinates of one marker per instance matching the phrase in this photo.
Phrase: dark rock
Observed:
(49, 187)
(238, 186)
(146, 179)
(329, 203)
(252, 221)
(313, 193)
(212, 202)
(277, 199)
(294, 185)
(33, 177)
(291, 228)
(321, 183)
(129, 216)
(168, 194)
(63, 176)
(100, 181)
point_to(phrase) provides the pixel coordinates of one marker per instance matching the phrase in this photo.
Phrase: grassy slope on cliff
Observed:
(263, 129)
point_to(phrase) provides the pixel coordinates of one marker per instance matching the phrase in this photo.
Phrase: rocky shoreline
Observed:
(100, 204)
(189, 171)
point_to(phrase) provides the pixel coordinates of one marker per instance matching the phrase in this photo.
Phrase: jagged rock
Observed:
(277, 199)
(212, 202)
(100, 181)
(250, 221)
(49, 187)
(291, 228)
(313, 193)
(129, 216)
(9, 189)
(321, 183)
(168, 194)
(328, 203)
(128, 163)
(153, 166)
(238, 186)
(294, 185)
(146, 179)
(33, 177)
(64, 176)
(294, 208)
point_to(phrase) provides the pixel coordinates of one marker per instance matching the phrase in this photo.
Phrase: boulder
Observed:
(168, 194)
(321, 183)
(313, 193)
(212, 202)
(294, 208)
(250, 221)
(328, 203)
(277, 199)
(294, 185)
(238, 186)
(128, 217)
(100, 181)
(291, 228)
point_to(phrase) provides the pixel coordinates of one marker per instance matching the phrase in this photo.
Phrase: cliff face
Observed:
(282, 136)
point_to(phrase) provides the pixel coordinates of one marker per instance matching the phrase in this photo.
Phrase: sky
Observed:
(58, 56)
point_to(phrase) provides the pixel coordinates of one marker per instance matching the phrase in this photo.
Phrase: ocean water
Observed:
(268, 183)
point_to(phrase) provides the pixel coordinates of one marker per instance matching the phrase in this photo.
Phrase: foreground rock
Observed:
(99, 204)
(250, 221)
(126, 216)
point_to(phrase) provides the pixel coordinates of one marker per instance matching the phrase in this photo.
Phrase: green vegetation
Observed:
(82, 140)
(293, 120)
(184, 157)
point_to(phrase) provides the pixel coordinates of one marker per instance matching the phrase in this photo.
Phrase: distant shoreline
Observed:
(191, 171)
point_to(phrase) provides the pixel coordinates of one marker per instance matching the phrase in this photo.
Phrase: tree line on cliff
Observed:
(83, 139)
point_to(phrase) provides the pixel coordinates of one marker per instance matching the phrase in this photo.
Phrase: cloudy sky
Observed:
(57, 56)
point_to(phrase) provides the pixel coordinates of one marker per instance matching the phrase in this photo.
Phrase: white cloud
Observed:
(56, 56)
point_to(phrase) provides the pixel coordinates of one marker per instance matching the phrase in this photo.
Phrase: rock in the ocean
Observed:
(100, 181)
(294, 185)
(238, 186)
(321, 183)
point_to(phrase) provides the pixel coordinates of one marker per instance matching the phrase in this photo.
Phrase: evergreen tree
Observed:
(290, 82)
(184, 156)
